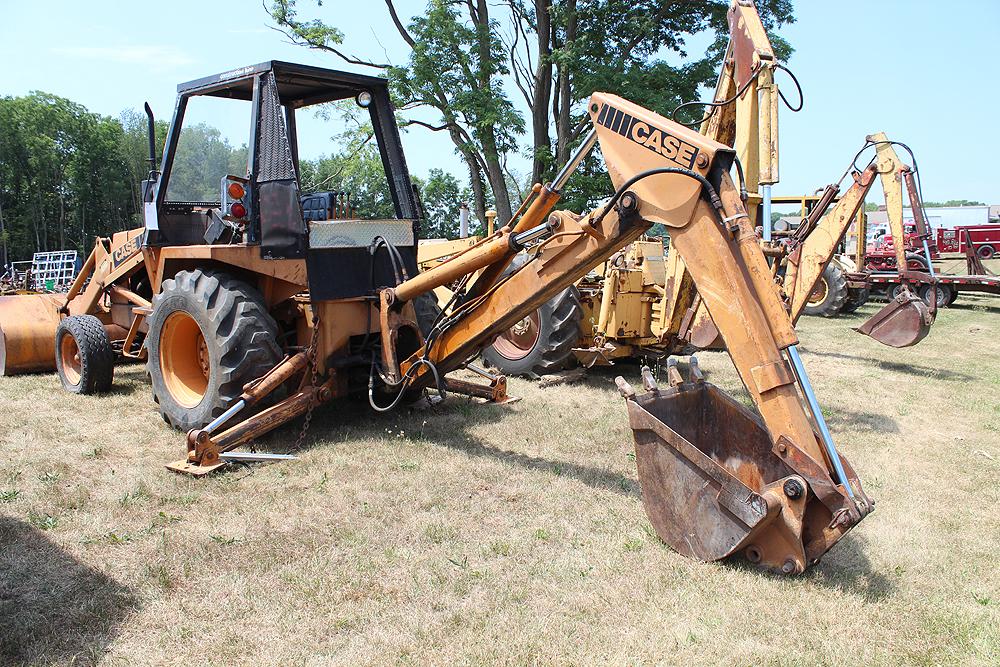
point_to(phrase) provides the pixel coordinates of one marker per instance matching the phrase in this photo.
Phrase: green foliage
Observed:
(465, 57)
(953, 202)
(203, 157)
(313, 32)
(356, 169)
(66, 174)
(447, 59)
(627, 48)
(442, 195)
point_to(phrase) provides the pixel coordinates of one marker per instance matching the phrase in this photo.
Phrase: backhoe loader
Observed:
(644, 302)
(245, 303)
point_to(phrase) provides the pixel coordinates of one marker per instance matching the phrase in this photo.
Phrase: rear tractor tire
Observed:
(209, 335)
(542, 342)
(85, 359)
(916, 262)
(830, 293)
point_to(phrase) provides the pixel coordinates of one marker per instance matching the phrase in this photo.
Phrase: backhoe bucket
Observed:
(701, 458)
(28, 331)
(903, 322)
(713, 484)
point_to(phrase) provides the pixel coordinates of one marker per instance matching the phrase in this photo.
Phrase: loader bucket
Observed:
(703, 461)
(28, 332)
(903, 322)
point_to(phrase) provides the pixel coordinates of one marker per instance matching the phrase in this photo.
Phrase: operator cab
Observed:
(261, 203)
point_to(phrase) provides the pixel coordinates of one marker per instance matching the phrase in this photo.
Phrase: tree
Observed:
(953, 202)
(65, 175)
(442, 196)
(203, 156)
(456, 67)
(464, 55)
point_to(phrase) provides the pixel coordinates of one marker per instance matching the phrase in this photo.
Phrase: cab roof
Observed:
(298, 85)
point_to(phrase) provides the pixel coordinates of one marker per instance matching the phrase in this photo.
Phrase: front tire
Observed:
(209, 335)
(85, 359)
(830, 293)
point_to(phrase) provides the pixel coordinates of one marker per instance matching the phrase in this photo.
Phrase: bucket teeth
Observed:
(624, 388)
(694, 371)
(673, 375)
(648, 381)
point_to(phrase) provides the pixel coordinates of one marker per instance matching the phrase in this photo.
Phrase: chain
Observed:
(311, 355)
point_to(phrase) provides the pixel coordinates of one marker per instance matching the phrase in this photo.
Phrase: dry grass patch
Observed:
(497, 534)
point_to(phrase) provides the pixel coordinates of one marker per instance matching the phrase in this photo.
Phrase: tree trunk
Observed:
(478, 189)
(542, 93)
(491, 156)
(564, 128)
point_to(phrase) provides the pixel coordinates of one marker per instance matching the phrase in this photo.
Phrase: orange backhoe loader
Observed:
(253, 317)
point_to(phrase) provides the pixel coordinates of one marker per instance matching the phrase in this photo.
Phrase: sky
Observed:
(920, 70)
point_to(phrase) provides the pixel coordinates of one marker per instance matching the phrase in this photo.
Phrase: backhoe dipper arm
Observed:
(665, 173)
(809, 259)
(906, 319)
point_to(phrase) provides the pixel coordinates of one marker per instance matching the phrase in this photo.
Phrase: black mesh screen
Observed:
(274, 156)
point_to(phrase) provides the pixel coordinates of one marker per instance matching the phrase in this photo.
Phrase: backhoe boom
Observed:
(783, 526)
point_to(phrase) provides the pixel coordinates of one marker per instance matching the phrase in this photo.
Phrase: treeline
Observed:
(65, 174)
(68, 175)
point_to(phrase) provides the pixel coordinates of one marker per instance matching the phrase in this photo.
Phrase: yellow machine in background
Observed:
(839, 289)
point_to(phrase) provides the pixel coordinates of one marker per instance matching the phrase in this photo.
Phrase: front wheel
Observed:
(85, 360)
(209, 335)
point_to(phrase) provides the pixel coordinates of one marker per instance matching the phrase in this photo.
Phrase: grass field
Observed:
(471, 534)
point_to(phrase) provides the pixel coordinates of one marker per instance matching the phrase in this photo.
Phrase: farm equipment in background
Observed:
(946, 287)
(51, 271)
(838, 290)
(99, 307)
(255, 316)
(880, 255)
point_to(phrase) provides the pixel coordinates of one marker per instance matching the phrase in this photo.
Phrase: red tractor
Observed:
(880, 254)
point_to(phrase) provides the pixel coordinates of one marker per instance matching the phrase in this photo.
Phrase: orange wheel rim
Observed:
(819, 293)
(184, 359)
(518, 341)
(69, 355)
